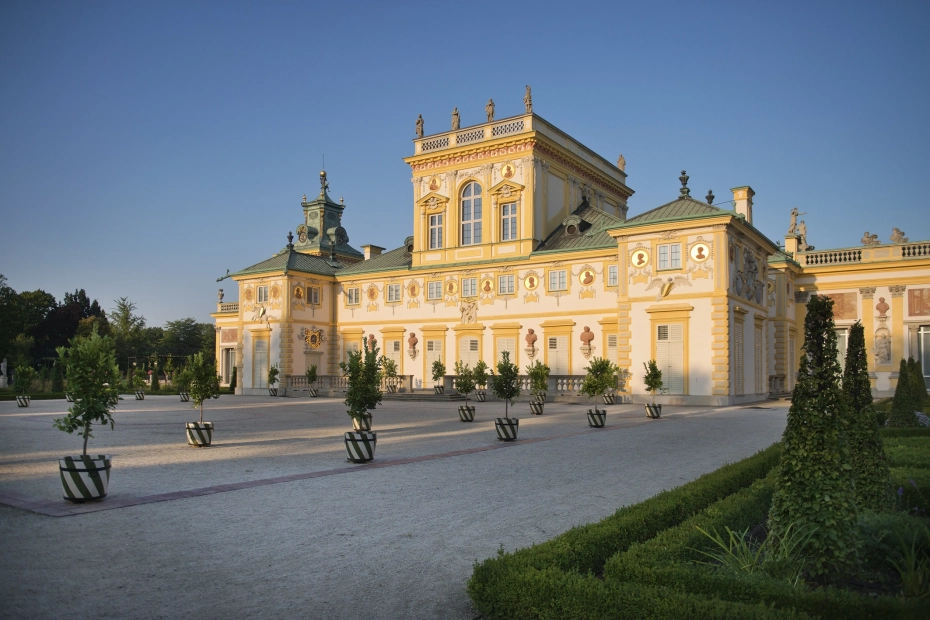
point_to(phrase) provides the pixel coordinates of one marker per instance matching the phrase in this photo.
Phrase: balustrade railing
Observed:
(297, 384)
(230, 307)
(833, 257)
(915, 250)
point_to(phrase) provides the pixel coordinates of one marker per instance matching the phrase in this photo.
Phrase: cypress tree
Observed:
(918, 386)
(232, 381)
(903, 405)
(814, 489)
(866, 449)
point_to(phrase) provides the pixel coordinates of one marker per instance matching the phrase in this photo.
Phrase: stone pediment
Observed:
(433, 201)
(506, 189)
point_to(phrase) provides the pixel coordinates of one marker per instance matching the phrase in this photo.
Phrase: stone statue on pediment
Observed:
(528, 100)
(868, 239)
(621, 162)
(419, 125)
(489, 110)
(455, 118)
(897, 236)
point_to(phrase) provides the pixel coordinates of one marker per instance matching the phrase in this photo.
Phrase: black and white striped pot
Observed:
(392, 388)
(199, 434)
(467, 414)
(608, 399)
(597, 418)
(84, 477)
(481, 396)
(363, 424)
(360, 446)
(69, 398)
(272, 391)
(540, 398)
(653, 411)
(23, 401)
(439, 389)
(312, 392)
(507, 428)
(185, 397)
(140, 395)
(536, 408)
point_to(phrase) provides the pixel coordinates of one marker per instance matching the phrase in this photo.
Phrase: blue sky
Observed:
(148, 147)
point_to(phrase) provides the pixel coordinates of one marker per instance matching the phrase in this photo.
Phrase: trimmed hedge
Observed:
(36, 396)
(890, 433)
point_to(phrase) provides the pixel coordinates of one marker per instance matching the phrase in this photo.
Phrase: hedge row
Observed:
(586, 548)
(38, 396)
(670, 560)
(890, 433)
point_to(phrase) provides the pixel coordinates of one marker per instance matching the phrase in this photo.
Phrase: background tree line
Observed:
(34, 323)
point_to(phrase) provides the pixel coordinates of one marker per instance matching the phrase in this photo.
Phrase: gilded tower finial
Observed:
(684, 183)
(323, 184)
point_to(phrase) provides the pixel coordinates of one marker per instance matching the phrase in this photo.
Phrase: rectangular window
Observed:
(557, 359)
(469, 287)
(351, 347)
(923, 351)
(434, 290)
(505, 285)
(612, 347)
(352, 296)
(670, 356)
(509, 345)
(613, 278)
(670, 256)
(313, 295)
(261, 294)
(509, 222)
(557, 281)
(393, 293)
(841, 337)
(435, 231)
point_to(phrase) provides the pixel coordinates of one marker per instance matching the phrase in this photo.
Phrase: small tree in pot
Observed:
(363, 394)
(389, 371)
(311, 379)
(653, 381)
(182, 381)
(204, 384)
(22, 381)
(138, 383)
(506, 386)
(480, 374)
(600, 379)
(90, 367)
(439, 371)
(273, 380)
(538, 374)
(464, 384)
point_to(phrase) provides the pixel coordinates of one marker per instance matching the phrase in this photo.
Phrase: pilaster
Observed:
(898, 333)
(867, 312)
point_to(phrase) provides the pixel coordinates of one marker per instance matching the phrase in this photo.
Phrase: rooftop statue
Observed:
(621, 162)
(868, 239)
(455, 118)
(419, 125)
(793, 228)
(897, 236)
(489, 110)
(528, 100)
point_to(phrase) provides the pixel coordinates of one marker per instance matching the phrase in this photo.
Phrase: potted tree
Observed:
(389, 371)
(311, 379)
(183, 382)
(439, 371)
(653, 381)
(464, 384)
(363, 394)
(272, 380)
(538, 374)
(506, 386)
(480, 374)
(138, 383)
(600, 379)
(204, 384)
(25, 375)
(90, 367)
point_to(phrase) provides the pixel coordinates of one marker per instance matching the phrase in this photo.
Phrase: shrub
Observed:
(439, 371)
(138, 379)
(23, 378)
(182, 380)
(311, 375)
(919, 387)
(653, 378)
(480, 373)
(363, 392)
(205, 383)
(866, 448)
(601, 378)
(506, 385)
(538, 374)
(815, 488)
(273, 375)
(464, 379)
(903, 404)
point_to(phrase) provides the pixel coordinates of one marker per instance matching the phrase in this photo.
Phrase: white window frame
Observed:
(669, 256)
(353, 295)
(313, 295)
(842, 341)
(393, 293)
(509, 221)
(435, 231)
(470, 214)
(613, 275)
(558, 280)
(434, 290)
(469, 287)
(261, 294)
(505, 285)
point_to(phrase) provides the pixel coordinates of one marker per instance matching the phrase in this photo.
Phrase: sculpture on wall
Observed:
(868, 239)
(219, 296)
(412, 346)
(469, 312)
(882, 347)
(882, 306)
(802, 233)
(371, 343)
(530, 343)
(586, 337)
(897, 236)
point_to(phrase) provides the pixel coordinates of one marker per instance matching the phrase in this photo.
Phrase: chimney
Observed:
(742, 198)
(371, 250)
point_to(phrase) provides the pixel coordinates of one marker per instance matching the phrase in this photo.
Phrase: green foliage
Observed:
(480, 373)
(506, 385)
(538, 374)
(138, 379)
(903, 404)
(21, 350)
(93, 378)
(56, 379)
(205, 383)
(233, 379)
(918, 386)
(23, 377)
(310, 374)
(464, 379)
(601, 377)
(912, 561)
(815, 482)
(363, 372)
(866, 449)
(652, 378)
(182, 380)
(155, 384)
(273, 375)
(439, 370)
(388, 367)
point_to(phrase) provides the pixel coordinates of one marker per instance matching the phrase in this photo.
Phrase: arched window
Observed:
(471, 214)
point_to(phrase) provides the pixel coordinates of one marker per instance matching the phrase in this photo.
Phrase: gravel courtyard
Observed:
(272, 521)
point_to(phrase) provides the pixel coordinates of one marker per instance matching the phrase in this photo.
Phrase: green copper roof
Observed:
(682, 208)
(590, 231)
(293, 261)
(398, 258)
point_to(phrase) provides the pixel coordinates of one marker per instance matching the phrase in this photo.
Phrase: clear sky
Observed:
(147, 147)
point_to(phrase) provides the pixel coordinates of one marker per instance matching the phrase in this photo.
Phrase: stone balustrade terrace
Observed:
(865, 254)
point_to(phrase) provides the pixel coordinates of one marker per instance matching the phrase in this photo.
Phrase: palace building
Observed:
(522, 242)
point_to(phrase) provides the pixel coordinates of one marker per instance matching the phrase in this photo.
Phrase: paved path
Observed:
(272, 521)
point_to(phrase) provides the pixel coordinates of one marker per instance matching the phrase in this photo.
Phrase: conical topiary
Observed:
(866, 449)
(814, 489)
(903, 405)
(919, 387)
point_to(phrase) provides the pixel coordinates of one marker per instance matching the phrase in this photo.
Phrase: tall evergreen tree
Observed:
(903, 405)
(919, 387)
(866, 449)
(814, 486)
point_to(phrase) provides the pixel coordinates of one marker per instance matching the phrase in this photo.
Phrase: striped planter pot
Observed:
(507, 428)
(69, 398)
(536, 408)
(439, 389)
(608, 399)
(84, 477)
(312, 392)
(653, 411)
(597, 418)
(392, 388)
(23, 401)
(362, 425)
(467, 414)
(272, 391)
(540, 398)
(199, 434)
(185, 397)
(481, 396)
(140, 395)
(360, 446)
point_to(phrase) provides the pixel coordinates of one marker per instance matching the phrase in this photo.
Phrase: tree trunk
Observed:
(86, 433)
(201, 412)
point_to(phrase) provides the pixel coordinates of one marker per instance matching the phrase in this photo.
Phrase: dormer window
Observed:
(471, 214)
(572, 225)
